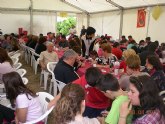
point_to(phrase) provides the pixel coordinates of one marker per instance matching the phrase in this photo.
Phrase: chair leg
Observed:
(50, 88)
(45, 79)
(55, 88)
(35, 67)
(41, 78)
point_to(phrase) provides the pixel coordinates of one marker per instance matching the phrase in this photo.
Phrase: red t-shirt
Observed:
(117, 52)
(123, 65)
(94, 98)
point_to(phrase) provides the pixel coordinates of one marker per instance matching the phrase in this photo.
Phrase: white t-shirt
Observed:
(85, 120)
(33, 105)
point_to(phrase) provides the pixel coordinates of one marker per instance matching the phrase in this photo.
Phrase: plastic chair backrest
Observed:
(60, 85)
(16, 55)
(25, 80)
(21, 72)
(15, 60)
(44, 99)
(17, 65)
(50, 67)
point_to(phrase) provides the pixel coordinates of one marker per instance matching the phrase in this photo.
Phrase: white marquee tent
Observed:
(112, 17)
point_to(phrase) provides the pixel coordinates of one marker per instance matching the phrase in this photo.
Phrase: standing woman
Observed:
(23, 99)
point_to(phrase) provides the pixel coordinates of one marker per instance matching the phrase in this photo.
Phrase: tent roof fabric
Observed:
(102, 5)
(79, 6)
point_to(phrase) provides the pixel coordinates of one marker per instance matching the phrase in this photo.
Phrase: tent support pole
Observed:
(121, 15)
(88, 20)
(148, 21)
(121, 23)
(31, 16)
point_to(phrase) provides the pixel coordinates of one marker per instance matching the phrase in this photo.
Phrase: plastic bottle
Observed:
(116, 67)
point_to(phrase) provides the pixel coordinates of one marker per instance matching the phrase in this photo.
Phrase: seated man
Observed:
(64, 70)
(48, 56)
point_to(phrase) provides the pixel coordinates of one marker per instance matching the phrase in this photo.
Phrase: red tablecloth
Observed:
(81, 71)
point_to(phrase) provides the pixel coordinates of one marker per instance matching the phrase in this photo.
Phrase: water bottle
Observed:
(116, 67)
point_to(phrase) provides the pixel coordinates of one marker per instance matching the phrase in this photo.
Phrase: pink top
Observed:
(5, 68)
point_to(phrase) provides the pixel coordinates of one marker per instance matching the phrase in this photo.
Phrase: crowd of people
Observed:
(130, 96)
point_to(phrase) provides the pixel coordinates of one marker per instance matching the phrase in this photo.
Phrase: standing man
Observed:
(83, 31)
(88, 41)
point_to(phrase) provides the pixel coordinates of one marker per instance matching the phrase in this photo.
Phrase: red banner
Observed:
(141, 18)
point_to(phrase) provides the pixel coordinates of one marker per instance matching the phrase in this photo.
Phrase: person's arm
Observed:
(21, 114)
(124, 111)
(41, 61)
(54, 101)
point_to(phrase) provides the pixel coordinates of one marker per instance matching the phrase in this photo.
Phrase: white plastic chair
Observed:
(25, 80)
(44, 76)
(53, 83)
(44, 99)
(35, 62)
(17, 65)
(21, 72)
(32, 51)
(16, 55)
(11, 53)
(15, 60)
(56, 84)
(60, 85)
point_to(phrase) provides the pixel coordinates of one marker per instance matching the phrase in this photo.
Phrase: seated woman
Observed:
(125, 55)
(5, 63)
(133, 68)
(71, 105)
(23, 99)
(108, 57)
(155, 70)
(148, 106)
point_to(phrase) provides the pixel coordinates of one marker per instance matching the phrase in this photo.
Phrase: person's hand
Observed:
(101, 120)
(43, 67)
(104, 113)
(125, 109)
(54, 101)
(16, 119)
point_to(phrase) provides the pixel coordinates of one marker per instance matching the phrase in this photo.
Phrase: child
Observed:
(23, 99)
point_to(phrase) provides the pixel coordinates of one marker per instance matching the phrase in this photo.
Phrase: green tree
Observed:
(64, 26)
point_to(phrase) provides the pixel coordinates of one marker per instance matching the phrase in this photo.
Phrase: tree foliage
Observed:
(64, 26)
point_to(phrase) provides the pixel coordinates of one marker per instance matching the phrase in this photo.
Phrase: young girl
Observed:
(71, 105)
(23, 99)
